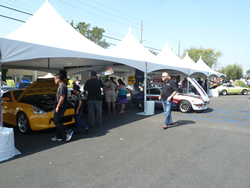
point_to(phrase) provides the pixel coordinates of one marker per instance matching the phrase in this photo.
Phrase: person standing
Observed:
(122, 95)
(110, 94)
(78, 110)
(169, 90)
(60, 108)
(93, 86)
(205, 86)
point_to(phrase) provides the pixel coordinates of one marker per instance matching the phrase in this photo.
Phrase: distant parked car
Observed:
(183, 102)
(22, 85)
(231, 89)
(4, 89)
(129, 88)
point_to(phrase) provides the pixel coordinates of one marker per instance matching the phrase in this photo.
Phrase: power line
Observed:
(111, 37)
(115, 10)
(12, 18)
(96, 14)
(106, 12)
(156, 30)
(16, 10)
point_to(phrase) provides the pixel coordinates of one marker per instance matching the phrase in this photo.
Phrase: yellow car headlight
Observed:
(37, 110)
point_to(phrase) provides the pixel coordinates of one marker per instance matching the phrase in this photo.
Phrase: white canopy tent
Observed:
(168, 57)
(130, 48)
(194, 71)
(47, 42)
(49, 75)
(203, 66)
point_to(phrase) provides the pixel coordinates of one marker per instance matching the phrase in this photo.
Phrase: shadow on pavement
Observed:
(38, 141)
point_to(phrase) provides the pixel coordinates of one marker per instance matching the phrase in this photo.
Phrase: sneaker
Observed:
(87, 131)
(69, 136)
(56, 139)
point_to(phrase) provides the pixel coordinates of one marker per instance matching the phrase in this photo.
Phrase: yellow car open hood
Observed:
(40, 87)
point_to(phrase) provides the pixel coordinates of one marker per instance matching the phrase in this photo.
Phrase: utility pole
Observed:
(141, 30)
(179, 48)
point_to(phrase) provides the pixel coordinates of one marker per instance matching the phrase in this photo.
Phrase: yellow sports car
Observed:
(32, 109)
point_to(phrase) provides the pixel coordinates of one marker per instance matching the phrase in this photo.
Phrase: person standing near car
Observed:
(78, 110)
(122, 95)
(110, 94)
(60, 108)
(93, 86)
(168, 91)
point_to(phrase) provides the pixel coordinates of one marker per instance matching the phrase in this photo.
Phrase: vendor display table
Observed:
(7, 144)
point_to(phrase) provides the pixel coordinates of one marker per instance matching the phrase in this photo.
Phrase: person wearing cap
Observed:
(168, 91)
(61, 103)
(110, 94)
(93, 87)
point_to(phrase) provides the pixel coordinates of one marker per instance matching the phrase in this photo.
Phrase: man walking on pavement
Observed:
(168, 91)
(93, 86)
(60, 108)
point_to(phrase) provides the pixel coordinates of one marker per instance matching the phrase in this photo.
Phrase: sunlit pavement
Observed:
(209, 149)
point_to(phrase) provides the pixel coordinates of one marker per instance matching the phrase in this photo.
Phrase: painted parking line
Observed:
(246, 112)
(223, 111)
(221, 119)
(225, 119)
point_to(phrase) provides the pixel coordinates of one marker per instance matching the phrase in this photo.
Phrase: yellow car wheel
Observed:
(23, 123)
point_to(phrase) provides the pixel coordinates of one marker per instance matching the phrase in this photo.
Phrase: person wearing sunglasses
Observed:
(168, 91)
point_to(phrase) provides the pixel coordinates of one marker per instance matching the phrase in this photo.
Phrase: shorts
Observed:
(110, 96)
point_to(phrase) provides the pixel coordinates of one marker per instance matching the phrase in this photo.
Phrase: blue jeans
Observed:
(167, 108)
(79, 121)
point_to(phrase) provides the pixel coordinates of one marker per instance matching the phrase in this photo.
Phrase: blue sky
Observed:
(222, 25)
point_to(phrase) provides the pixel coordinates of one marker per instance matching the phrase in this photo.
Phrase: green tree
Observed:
(248, 73)
(232, 71)
(209, 56)
(95, 34)
(153, 52)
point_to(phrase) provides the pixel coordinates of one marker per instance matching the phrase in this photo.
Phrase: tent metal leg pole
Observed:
(1, 111)
(145, 92)
(187, 86)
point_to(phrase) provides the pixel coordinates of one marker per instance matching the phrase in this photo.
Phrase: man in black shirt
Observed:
(169, 90)
(93, 86)
(60, 108)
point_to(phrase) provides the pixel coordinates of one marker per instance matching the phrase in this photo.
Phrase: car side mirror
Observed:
(6, 99)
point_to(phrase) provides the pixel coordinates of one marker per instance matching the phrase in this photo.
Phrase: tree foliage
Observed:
(248, 73)
(95, 34)
(232, 71)
(209, 56)
(153, 52)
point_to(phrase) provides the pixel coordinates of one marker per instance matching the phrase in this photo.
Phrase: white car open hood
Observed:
(201, 91)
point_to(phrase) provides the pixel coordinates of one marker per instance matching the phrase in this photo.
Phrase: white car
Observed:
(185, 102)
(4, 89)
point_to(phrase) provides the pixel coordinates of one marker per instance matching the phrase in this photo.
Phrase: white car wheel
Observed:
(244, 92)
(184, 106)
(223, 92)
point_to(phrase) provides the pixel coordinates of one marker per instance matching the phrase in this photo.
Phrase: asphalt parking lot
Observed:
(208, 149)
